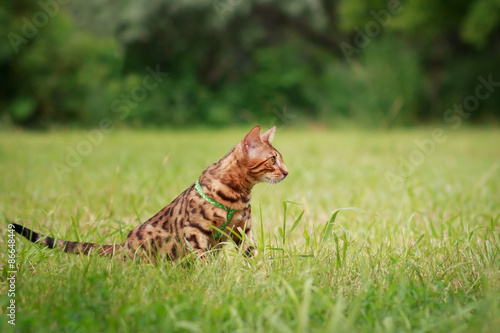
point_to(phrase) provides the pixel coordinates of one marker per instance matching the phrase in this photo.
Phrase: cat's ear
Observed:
(252, 139)
(269, 135)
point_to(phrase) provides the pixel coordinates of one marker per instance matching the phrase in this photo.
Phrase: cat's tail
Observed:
(69, 247)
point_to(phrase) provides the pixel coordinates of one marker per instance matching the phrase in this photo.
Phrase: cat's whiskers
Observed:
(271, 183)
(268, 186)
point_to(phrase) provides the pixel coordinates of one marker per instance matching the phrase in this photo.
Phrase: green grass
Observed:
(423, 259)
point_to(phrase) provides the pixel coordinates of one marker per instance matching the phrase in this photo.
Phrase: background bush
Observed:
(234, 61)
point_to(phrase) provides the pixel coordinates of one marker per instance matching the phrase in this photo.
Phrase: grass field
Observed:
(421, 258)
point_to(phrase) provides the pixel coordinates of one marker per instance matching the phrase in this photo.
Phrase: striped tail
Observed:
(69, 247)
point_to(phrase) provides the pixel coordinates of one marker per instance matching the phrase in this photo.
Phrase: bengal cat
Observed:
(213, 208)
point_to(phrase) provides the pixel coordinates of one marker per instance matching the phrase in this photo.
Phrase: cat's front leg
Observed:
(245, 235)
(197, 240)
(249, 248)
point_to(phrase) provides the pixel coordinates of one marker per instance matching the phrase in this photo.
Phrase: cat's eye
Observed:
(272, 159)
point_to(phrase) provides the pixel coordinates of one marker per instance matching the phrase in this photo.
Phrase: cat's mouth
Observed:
(275, 179)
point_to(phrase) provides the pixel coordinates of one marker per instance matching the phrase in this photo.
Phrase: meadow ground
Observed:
(421, 257)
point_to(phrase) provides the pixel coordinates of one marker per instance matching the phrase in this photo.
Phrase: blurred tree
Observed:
(480, 22)
(441, 34)
(50, 70)
(378, 63)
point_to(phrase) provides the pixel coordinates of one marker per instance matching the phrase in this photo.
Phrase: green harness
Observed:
(230, 212)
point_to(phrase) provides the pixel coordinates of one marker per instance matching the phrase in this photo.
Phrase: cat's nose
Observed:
(285, 173)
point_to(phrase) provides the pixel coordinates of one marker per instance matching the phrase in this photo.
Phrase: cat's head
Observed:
(262, 161)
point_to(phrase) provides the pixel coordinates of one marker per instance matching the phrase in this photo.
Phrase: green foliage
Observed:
(374, 90)
(58, 73)
(423, 259)
(234, 62)
(484, 16)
